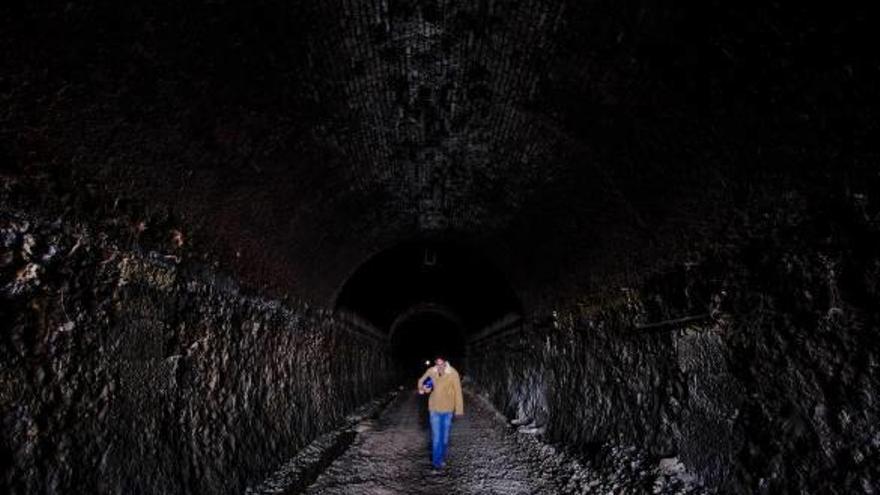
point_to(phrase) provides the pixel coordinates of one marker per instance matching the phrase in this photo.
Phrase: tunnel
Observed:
(643, 237)
(422, 336)
(427, 296)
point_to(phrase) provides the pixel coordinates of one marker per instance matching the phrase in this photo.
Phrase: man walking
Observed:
(445, 400)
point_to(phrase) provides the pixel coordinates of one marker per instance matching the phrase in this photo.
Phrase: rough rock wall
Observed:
(584, 381)
(124, 372)
(771, 388)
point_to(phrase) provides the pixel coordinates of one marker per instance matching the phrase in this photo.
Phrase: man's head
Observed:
(440, 363)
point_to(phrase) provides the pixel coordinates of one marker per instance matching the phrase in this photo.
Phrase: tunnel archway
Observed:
(424, 332)
(428, 297)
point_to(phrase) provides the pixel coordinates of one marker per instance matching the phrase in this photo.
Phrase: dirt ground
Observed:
(392, 455)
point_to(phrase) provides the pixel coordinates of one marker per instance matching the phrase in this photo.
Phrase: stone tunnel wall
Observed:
(773, 388)
(585, 380)
(124, 372)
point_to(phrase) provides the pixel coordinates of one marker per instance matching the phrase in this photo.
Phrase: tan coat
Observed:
(446, 395)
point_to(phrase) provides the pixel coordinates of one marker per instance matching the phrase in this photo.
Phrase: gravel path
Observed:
(391, 456)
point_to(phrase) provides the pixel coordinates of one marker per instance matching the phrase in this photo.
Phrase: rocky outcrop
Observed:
(754, 364)
(123, 371)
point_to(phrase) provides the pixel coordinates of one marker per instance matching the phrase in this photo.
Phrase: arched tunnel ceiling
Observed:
(295, 137)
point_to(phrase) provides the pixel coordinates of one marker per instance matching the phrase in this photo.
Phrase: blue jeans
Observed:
(441, 423)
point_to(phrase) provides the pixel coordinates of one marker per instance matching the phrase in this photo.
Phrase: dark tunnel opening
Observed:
(421, 335)
(428, 297)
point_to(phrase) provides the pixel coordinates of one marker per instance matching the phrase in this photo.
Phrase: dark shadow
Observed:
(443, 273)
(422, 336)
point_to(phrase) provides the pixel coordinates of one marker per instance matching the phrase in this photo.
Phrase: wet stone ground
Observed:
(391, 455)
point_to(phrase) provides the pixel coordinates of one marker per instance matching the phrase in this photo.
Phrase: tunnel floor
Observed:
(391, 455)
